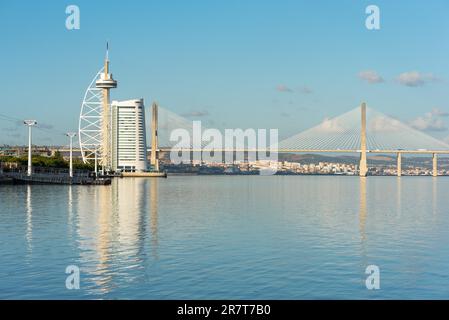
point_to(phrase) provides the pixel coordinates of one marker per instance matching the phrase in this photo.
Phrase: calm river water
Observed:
(234, 237)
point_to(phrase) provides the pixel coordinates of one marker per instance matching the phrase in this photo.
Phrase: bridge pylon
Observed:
(399, 165)
(435, 165)
(154, 137)
(363, 167)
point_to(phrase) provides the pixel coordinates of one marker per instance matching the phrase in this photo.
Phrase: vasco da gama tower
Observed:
(114, 134)
(106, 83)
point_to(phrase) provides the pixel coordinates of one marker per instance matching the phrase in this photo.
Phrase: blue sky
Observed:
(249, 64)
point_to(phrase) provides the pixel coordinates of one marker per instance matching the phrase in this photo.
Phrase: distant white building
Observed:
(128, 136)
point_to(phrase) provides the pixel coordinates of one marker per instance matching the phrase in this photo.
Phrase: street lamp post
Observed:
(71, 135)
(29, 123)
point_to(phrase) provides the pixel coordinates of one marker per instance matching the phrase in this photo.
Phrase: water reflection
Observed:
(29, 219)
(434, 196)
(70, 215)
(105, 215)
(154, 199)
(116, 224)
(362, 209)
(362, 219)
(230, 238)
(399, 196)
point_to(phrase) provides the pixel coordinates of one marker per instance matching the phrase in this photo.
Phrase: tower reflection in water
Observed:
(115, 235)
(29, 219)
(362, 210)
(117, 231)
(362, 221)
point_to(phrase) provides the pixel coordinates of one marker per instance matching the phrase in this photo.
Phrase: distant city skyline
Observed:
(284, 64)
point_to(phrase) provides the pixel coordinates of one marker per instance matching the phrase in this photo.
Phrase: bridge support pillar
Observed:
(154, 143)
(399, 166)
(435, 165)
(363, 167)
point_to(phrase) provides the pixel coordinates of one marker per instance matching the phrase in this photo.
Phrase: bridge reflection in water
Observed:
(302, 235)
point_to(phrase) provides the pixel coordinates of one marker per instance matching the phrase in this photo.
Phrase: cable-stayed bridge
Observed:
(339, 134)
(362, 130)
(344, 134)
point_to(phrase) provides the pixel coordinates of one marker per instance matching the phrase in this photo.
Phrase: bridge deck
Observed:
(306, 150)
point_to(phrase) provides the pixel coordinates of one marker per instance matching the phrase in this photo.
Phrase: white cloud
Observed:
(283, 88)
(431, 121)
(196, 114)
(371, 76)
(415, 78)
(439, 112)
(384, 124)
(331, 125)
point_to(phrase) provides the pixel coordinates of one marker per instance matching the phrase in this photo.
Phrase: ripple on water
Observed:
(227, 237)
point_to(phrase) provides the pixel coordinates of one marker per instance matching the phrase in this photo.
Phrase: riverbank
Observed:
(5, 180)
